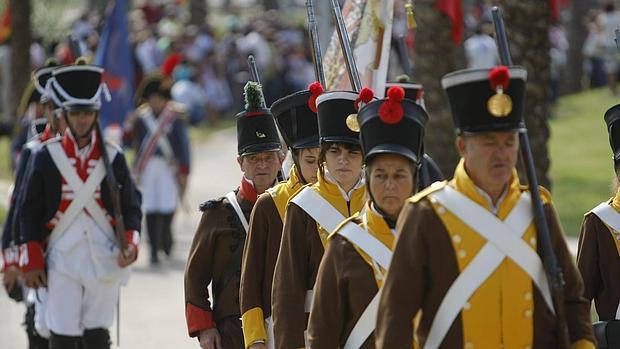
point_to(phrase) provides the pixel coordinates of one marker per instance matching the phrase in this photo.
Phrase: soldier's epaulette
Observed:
(209, 204)
(428, 190)
(545, 195)
(354, 218)
(143, 109)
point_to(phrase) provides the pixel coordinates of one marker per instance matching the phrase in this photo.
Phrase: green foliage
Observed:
(253, 93)
(581, 163)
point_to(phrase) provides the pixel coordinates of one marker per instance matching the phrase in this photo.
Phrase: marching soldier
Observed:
(314, 212)
(10, 250)
(159, 135)
(599, 249)
(216, 252)
(467, 254)
(358, 253)
(67, 232)
(296, 118)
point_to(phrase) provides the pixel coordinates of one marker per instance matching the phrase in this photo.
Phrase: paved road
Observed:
(152, 306)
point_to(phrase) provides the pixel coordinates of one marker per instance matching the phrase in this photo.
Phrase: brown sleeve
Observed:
(588, 256)
(290, 281)
(576, 307)
(253, 264)
(405, 282)
(326, 323)
(198, 275)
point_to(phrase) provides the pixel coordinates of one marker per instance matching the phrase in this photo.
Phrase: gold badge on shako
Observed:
(352, 123)
(500, 104)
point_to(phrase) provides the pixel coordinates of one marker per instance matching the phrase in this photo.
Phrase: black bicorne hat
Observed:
(79, 86)
(154, 84)
(297, 119)
(486, 100)
(41, 76)
(336, 110)
(612, 119)
(256, 128)
(393, 125)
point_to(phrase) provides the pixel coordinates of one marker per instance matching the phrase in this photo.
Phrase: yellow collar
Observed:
(463, 183)
(615, 202)
(282, 192)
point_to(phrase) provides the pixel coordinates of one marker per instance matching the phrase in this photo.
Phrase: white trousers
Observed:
(159, 186)
(76, 305)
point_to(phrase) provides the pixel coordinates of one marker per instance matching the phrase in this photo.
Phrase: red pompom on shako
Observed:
(315, 89)
(391, 111)
(365, 96)
(499, 77)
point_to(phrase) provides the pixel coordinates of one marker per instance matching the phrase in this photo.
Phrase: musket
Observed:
(345, 44)
(256, 78)
(550, 263)
(317, 59)
(617, 39)
(111, 182)
(402, 50)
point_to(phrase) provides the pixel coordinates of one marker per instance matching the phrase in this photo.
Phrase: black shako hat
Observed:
(296, 117)
(152, 84)
(486, 100)
(393, 125)
(612, 119)
(256, 128)
(79, 86)
(413, 90)
(336, 110)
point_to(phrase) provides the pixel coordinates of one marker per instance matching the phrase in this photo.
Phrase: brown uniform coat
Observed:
(599, 263)
(219, 234)
(298, 262)
(424, 266)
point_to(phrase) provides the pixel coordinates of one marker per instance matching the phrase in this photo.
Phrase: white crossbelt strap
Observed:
(152, 126)
(326, 215)
(270, 338)
(232, 198)
(323, 213)
(84, 198)
(611, 218)
(504, 240)
(366, 324)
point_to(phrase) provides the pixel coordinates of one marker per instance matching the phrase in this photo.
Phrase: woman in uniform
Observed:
(346, 296)
(314, 212)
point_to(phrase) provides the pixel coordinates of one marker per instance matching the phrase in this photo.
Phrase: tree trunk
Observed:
(577, 33)
(20, 52)
(198, 12)
(270, 4)
(527, 25)
(433, 39)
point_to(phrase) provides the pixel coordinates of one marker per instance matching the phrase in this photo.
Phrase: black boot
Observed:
(97, 338)
(167, 241)
(58, 341)
(154, 236)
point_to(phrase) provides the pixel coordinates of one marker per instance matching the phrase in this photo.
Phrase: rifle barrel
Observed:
(315, 45)
(253, 68)
(345, 43)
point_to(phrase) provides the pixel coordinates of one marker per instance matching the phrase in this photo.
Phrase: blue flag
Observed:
(114, 55)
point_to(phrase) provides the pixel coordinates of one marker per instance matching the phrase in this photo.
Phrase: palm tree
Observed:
(433, 39)
(527, 25)
(21, 36)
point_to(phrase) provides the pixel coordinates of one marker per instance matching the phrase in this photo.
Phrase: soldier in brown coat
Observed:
(313, 213)
(599, 243)
(344, 306)
(215, 254)
(296, 119)
(467, 254)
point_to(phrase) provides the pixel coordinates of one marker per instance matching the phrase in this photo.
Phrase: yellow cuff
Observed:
(253, 326)
(583, 344)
